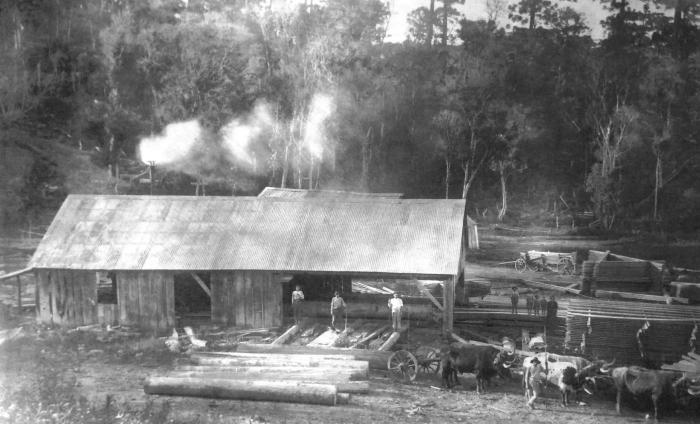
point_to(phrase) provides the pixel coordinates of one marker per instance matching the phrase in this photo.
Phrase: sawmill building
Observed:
(118, 259)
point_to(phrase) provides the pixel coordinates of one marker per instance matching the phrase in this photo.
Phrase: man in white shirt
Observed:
(396, 305)
(297, 299)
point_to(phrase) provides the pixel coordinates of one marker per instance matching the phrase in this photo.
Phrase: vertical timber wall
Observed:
(246, 299)
(66, 297)
(146, 300)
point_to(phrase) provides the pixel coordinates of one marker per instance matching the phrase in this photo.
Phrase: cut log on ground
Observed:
(377, 360)
(280, 356)
(361, 366)
(390, 342)
(260, 372)
(342, 383)
(271, 391)
(370, 336)
(286, 335)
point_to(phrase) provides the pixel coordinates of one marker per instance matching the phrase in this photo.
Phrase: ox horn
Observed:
(605, 368)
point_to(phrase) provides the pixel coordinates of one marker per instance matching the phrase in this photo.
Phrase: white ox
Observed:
(568, 373)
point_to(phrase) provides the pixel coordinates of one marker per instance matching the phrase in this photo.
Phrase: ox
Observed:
(569, 376)
(641, 381)
(483, 361)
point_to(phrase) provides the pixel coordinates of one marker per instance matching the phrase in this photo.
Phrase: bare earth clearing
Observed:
(59, 376)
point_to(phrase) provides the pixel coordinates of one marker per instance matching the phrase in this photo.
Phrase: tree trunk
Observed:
(504, 191)
(445, 5)
(447, 177)
(657, 184)
(431, 22)
(273, 391)
(366, 158)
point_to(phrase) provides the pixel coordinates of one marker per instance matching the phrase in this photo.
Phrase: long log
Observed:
(261, 362)
(390, 342)
(377, 359)
(280, 356)
(257, 372)
(370, 336)
(286, 335)
(421, 311)
(343, 383)
(274, 391)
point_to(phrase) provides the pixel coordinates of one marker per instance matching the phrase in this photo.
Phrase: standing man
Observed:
(537, 305)
(533, 379)
(514, 298)
(297, 299)
(396, 305)
(543, 305)
(337, 310)
(529, 302)
(552, 309)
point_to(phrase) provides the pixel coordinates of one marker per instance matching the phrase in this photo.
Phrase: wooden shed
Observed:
(117, 259)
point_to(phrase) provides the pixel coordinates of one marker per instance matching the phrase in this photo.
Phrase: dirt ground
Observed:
(59, 376)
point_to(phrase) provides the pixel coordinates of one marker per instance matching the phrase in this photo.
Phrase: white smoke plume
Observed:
(321, 108)
(239, 135)
(173, 144)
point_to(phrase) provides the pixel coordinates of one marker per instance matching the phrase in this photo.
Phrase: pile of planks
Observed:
(277, 377)
(610, 329)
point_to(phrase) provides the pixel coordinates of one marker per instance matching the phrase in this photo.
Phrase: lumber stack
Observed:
(610, 329)
(300, 378)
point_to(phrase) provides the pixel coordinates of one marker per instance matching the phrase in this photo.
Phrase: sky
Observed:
(397, 32)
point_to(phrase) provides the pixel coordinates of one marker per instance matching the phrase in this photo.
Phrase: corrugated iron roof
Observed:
(294, 193)
(396, 236)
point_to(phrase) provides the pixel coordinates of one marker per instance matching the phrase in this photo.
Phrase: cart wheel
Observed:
(402, 365)
(431, 362)
(520, 265)
(565, 266)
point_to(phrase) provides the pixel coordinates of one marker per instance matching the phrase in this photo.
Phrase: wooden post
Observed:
(448, 302)
(19, 293)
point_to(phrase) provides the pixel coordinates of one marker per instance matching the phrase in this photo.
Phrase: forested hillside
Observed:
(524, 120)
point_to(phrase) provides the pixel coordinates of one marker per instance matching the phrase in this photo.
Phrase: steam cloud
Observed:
(192, 149)
(314, 133)
(237, 135)
(172, 145)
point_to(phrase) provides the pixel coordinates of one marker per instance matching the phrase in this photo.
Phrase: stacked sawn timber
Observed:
(309, 378)
(611, 329)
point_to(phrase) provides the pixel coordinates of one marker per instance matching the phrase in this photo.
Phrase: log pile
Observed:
(277, 377)
(633, 332)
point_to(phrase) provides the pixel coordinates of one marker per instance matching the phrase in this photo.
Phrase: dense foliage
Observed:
(523, 120)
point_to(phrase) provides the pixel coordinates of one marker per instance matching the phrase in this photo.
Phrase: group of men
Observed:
(536, 305)
(338, 307)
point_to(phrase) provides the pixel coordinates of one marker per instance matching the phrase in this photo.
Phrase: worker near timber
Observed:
(537, 305)
(543, 305)
(514, 298)
(297, 299)
(337, 310)
(396, 305)
(534, 381)
(529, 302)
(552, 309)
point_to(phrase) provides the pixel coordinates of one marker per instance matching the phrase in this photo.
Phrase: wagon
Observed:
(533, 260)
(404, 365)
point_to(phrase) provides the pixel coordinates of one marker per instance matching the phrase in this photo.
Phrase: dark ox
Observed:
(643, 382)
(484, 362)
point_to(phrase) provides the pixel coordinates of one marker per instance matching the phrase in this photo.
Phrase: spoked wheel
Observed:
(430, 361)
(520, 265)
(565, 266)
(402, 365)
